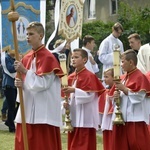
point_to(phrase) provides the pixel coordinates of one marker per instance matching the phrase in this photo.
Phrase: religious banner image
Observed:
(71, 17)
(28, 11)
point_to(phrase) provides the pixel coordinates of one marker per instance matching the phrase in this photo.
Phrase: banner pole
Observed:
(13, 17)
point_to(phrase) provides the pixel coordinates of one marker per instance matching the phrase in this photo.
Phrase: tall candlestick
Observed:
(116, 61)
(62, 59)
(64, 81)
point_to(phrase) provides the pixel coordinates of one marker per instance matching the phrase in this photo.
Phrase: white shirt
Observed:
(106, 51)
(144, 58)
(93, 68)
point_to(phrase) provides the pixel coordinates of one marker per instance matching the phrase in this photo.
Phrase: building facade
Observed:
(106, 10)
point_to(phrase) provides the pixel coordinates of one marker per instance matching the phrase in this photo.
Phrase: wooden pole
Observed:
(13, 17)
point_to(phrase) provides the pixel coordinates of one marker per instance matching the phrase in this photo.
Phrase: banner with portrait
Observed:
(29, 10)
(70, 24)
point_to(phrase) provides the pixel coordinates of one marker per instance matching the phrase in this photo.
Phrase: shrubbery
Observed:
(134, 19)
(97, 29)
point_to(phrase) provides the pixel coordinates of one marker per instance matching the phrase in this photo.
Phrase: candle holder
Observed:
(119, 118)
(68, 127)
(116, 63)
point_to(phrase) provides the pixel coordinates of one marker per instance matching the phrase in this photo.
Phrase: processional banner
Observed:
(71, 18)
(29, 10)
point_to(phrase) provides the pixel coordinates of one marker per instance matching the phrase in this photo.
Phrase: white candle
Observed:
(116, 63)
(64, 79)
(62, 59)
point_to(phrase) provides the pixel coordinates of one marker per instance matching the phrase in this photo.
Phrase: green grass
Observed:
(7, 139)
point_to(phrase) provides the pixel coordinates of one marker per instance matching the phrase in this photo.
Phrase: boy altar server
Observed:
(108, 104)
(40, 72)
(134, 92)
(84, 89)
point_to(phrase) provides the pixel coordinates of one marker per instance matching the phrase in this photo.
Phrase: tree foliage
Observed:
(98, 29)
(48, 17)
(134, 19)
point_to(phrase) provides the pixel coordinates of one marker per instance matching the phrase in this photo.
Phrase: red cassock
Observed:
(40, 136)
(133, 135)
(102, 100)
(107, 134)
(148, 77)
(84, 138)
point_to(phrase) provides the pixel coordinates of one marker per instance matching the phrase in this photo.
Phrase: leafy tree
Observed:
(48, 18)
(98, 29)
(134, 19)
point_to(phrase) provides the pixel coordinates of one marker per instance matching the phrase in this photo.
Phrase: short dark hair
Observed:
(117, 26)
(84, 53)
(130, 54)
(87, 38)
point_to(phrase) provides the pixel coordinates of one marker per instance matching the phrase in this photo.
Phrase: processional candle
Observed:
(116, 61)
(62, 59)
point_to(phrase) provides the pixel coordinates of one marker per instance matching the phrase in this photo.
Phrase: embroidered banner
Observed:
(70, 25)
(29, 10)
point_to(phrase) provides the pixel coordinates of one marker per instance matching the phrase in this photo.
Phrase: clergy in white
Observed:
(107, 46)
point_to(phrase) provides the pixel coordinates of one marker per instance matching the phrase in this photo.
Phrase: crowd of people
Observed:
(91, 100)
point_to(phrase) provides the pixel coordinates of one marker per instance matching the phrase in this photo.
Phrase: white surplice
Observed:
(84, 109)
(107, 118)
(42, 104)
(93, 68)
(135, 107)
